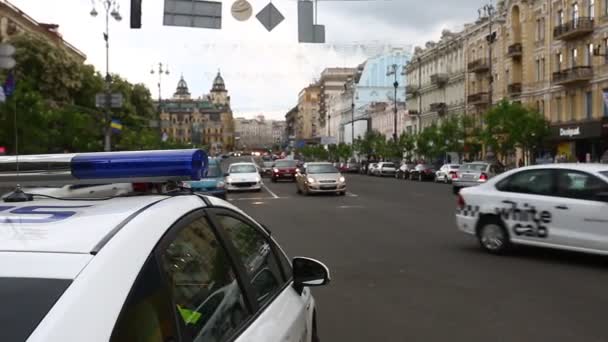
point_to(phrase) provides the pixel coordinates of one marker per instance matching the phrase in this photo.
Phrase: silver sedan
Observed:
(320, 178)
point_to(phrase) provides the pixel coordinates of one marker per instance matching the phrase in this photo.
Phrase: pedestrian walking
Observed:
(520, 163)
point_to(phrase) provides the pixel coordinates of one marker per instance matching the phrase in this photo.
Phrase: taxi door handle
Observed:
(562, 207)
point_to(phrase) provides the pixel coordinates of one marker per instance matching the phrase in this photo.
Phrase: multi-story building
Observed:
(436, 80)
(206, 120)
(332, 85)
(564, 70)
(291, 126)
(13, 22)
(383, 118)
(259, 132)
(307, 121)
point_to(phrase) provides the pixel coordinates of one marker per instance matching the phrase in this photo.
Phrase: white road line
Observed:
(350, 194)
(270, 192)
(254, 198)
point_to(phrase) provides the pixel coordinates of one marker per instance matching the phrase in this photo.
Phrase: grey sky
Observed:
(264, 71)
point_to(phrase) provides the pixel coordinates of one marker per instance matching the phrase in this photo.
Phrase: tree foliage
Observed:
(54, 103)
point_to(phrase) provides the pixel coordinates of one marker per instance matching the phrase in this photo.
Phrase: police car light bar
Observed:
(103, 167)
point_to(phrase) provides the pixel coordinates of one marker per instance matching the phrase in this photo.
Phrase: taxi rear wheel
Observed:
(493, 236)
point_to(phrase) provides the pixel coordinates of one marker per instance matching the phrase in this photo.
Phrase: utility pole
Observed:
(489, 11)
(160, 72)
(392, 70)
(111, 8)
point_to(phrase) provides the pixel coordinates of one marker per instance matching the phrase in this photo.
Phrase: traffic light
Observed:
(136, 14)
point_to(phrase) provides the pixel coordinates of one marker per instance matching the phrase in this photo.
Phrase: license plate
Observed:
(467, 176)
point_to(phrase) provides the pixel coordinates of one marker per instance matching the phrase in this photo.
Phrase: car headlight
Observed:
(275, 170)
(220, 185)
(342, 179)
(228, 180)
(258, 179)
(310, 180)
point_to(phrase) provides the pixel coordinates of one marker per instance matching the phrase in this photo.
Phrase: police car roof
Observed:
(62, 226)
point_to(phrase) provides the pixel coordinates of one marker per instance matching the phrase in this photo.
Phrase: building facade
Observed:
(436, 77)
(206, 120)
(383, 118)
(259, 132)
(332, 85)
(307, 121)
(13, 22)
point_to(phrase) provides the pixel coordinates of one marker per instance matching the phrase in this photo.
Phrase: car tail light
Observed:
(454, 175)
(460, 202)
(140, 187)
(428, 171)
(483, 177)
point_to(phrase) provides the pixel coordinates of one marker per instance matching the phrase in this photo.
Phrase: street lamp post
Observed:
(112, 9)
(489, 11)
(160, 73)
(392, 70)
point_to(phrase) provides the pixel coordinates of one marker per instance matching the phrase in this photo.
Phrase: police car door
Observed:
(585, 217)
(526, 205)
(282, 313)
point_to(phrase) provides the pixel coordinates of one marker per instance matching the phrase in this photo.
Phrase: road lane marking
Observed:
(270, 192)
(350, 194)
(350, 207)
(254, 198)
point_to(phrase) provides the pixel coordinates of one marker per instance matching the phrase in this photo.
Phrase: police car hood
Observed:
(55, 226)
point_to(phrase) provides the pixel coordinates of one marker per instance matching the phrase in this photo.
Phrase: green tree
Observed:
(428, 145)
(407, 144)
(344, 151)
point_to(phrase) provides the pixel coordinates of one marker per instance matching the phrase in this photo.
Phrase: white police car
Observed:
(178, 266)
(555, 205)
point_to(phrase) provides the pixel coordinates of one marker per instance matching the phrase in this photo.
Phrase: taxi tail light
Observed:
(454, 175)
(483, 177)
(460, 202)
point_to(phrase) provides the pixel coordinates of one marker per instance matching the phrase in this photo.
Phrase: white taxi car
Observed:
(178, 266)
(243, 177)
(555, 205)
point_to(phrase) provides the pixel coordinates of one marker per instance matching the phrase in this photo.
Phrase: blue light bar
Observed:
(104, 167)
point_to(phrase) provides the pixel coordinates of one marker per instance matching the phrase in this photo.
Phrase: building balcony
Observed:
(514, 50)
(439, 107)
(573, 29)
(478, 65)
(411, 90)
(482, 98)
(440, 79)
(575, 75)
(514, 89)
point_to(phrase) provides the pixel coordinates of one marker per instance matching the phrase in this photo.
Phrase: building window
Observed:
(558, 109)
(559, 59)
(605, 7)
(538, 30)
(591, 9)
(572, 107)
(560, 17)
(537, 69)
(589, 55)
(575, 14)
(573, 57)
(542, 107)
(589, 104)
(542, 68)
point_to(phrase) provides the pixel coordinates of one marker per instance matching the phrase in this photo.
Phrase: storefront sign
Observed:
(569, 132)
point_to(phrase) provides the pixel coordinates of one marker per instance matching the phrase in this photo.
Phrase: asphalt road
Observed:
(402, 272)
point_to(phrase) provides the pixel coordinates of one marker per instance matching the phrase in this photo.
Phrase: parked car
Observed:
(385, 169)
(423, 172)
(403, 172)
(475, 173)
(242, 177)
(320, 178)
(284, 169)
(352, 166)
(371, 167)
(446, 173)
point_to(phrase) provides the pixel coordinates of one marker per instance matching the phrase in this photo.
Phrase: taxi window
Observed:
(579, 185)
(535, 182)
(25, 302)
(203, 284)
(256, 255)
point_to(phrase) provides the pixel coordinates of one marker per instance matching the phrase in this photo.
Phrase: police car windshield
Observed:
(25, 302)
(242, 169)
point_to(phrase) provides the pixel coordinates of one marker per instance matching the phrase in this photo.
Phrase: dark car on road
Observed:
(423, 172)
(284, 169)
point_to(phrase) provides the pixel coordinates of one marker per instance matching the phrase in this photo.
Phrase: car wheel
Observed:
(492, 236)
(342, 193)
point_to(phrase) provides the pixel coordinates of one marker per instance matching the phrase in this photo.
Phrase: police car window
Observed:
(579, 185)
(25, 302)
(256, 255)
(147, 314)
(207, 296)
(537, 182)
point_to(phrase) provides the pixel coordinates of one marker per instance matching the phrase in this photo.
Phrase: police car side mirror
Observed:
(309, 272)
(226, 174)
(602, 197)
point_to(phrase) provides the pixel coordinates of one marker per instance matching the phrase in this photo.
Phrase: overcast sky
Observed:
(264, 71)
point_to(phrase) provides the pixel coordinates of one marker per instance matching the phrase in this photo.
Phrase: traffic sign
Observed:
(115, 100)
(6, 56)
(241, 10)
(270, 17)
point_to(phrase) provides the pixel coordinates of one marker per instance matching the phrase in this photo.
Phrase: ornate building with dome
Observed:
(206, 120)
